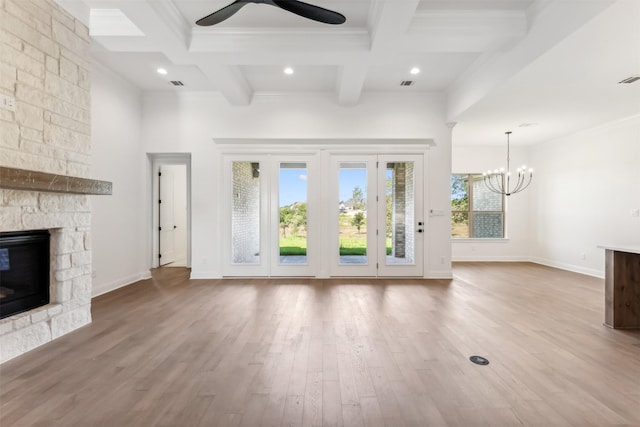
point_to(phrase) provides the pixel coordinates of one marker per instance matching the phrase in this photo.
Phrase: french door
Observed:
(378, 228)
(344, 215)
(271, 216)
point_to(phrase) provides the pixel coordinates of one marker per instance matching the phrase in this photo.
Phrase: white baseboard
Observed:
(116, 284)
(439, 274)
(204, 274)
(492, 258)
(569, 267)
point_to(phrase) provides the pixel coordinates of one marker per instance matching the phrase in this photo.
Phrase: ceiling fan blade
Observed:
(310, 11)
(222, 14)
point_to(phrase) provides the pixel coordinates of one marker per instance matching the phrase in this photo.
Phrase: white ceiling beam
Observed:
(310, 57)
(174, 20)
(229, 81)
(550, 23)
(464, 30)
(134, 44)
(154, 19)
(222, 40)
(389, 21)
(350, 83)
(164, 26)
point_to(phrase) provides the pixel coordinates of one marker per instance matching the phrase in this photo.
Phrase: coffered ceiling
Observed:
(501, 63)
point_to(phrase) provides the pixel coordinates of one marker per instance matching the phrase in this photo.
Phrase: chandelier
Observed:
(500, 180)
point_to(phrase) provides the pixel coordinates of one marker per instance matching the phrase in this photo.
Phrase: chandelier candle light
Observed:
(499, 180)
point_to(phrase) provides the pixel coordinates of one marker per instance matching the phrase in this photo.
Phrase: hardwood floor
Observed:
(342, 352)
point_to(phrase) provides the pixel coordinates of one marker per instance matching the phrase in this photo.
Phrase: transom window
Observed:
(476, 212)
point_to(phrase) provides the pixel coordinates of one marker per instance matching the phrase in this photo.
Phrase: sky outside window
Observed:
(293, 184)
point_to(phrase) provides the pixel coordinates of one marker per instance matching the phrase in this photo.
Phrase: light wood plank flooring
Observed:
(342, 352)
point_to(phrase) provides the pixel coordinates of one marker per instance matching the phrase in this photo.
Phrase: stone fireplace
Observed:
(45, 139)
(67, 219)
(24, 271)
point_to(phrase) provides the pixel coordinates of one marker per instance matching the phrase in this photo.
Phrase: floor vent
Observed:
(479, 360)
(406, 83)
(177, 83)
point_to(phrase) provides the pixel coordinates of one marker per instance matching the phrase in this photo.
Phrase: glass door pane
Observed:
(293, 225)
(402, 225)
(399, 213)
(245, 213)
(352, 216)
(292, 207)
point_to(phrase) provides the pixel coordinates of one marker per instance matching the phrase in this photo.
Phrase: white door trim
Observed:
(156, 160)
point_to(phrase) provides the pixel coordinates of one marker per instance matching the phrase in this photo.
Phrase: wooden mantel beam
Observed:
(28, 180)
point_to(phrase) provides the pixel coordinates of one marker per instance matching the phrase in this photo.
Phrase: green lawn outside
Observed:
(353, 245)
(295, 245)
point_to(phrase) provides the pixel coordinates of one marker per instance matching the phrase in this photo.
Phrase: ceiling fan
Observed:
(305, 10)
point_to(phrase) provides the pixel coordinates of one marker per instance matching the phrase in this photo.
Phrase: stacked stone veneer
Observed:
(245, 214)
(44, 66)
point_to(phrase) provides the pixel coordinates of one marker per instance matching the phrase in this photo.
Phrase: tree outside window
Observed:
(476, 212)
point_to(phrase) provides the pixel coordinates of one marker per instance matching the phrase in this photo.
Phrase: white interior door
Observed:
(181, 163)
(180, 214)
(166, 220)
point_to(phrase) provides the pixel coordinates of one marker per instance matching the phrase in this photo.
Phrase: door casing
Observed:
(155, 161)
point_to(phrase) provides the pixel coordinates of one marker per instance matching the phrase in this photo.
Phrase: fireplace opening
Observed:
(24, 271)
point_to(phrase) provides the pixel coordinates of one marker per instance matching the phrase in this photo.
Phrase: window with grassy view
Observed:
(476, 212)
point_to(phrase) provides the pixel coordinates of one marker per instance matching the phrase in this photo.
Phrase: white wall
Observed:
(516, 245)
(190, 122)
(120, 223)
(587, 185)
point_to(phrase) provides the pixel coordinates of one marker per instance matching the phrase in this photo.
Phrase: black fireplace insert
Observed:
(24, 271)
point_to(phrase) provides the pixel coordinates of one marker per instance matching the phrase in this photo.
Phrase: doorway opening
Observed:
(171, 199)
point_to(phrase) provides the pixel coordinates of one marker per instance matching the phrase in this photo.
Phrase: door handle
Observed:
(420, 230)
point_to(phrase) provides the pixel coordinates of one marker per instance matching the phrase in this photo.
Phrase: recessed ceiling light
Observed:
(162, 71)
(288, 70)
(415, 70)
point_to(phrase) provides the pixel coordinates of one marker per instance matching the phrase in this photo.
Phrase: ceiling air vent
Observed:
(406, 83)
(630, 79)
(177, 83)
